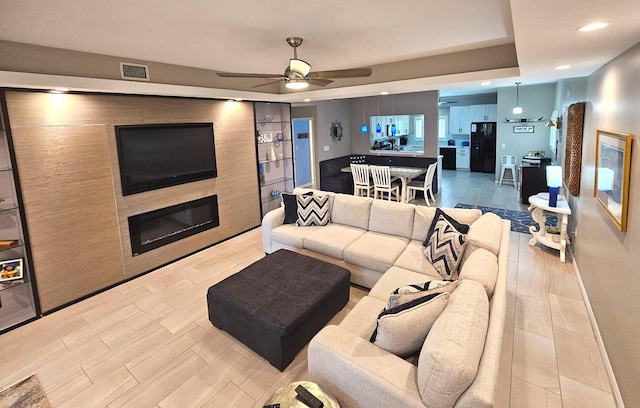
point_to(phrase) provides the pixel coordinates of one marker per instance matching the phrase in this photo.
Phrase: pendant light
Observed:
(378, 127)
(517, 110)
(394, 130)
(364, 129)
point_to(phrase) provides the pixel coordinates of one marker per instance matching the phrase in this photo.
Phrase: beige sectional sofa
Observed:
(381, 243)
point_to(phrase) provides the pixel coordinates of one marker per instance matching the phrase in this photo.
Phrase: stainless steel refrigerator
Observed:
(483, 147)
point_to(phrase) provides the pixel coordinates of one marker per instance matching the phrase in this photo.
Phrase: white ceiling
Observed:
(249, 35)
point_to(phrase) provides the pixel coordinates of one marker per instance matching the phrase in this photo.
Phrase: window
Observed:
(442, 127)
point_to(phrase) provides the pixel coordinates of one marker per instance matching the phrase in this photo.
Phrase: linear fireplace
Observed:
(156, 228)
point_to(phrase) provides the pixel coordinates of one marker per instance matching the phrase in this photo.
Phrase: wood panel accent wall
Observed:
(77, 216)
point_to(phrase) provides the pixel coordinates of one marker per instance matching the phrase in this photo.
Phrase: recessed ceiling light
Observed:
(59, 90)
(593, 26)
(238, 99)
(384, 93)
(559, 67)
(485, 83)
(307, 100)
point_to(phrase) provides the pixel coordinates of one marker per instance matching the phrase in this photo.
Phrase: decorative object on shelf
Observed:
(523, 129)
(613, 168)
(523, 120)
(273, 156)
(279, 137)
(357, 159)
(573, 147)
(10, 270)
(554, 182)
(8, 243)
(261, 174)
(336, 130)
(517, 110)
(275, 194)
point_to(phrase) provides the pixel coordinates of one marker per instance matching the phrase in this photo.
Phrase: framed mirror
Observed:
(613, 165)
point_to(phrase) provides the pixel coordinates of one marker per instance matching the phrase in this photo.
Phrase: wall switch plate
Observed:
(326, 148)
(504, 146)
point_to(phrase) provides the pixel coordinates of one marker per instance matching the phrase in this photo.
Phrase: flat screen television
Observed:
(157, 156)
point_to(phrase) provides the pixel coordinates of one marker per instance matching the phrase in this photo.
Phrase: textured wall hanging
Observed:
(573, 147)
(336, 130)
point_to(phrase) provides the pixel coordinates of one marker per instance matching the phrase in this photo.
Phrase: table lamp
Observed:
(554, 181)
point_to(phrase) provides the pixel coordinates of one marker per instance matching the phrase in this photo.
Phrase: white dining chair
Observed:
(425, 186)
(362, 184)
(382, 183)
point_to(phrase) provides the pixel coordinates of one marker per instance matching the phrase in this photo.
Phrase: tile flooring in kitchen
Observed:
(149, 343)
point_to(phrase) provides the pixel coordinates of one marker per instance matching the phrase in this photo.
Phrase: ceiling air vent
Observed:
(134, 72)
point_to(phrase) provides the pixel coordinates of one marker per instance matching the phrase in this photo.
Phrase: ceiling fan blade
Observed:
(342, 73)
(320, 82)
(269, 83)
(241, 75)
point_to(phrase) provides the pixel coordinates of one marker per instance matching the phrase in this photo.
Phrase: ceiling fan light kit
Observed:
(298, 74)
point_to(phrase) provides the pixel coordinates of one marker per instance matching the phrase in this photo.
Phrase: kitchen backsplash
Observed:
(458, 139)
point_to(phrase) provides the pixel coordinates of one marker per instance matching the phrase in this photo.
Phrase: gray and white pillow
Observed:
(313, 210)
(445, 248)
(408, 293)
(403, 329)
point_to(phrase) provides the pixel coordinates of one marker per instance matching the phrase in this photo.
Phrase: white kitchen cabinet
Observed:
(460, 120)
(463, 158)
(484, 113)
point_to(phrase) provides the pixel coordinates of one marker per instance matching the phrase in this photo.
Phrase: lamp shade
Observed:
(300, 67)
(517, 110)
(296, 84)
(554, 176)
(364, 129)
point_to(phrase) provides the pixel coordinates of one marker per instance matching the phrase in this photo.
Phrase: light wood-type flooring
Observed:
(148, 342)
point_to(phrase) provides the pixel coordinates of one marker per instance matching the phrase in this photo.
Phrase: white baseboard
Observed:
(605, 357)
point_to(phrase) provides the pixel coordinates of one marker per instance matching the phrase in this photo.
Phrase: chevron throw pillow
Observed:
(445, 248)
(313, 210)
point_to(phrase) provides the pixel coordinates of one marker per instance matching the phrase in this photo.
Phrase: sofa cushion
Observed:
(394, 278)
(392, 218)
(362, 319)
(402, 330)
(375, 251)
(313, 210)
(351, 210)
(481, 266)
(290, 203)
(332, 239)
(413, 258)
(424, 218)
(486, 232)
(292, 235)
(441, 215)
(451, 353)
(445, 248)
(408, 293)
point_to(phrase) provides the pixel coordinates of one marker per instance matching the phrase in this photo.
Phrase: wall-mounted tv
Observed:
(157, 156)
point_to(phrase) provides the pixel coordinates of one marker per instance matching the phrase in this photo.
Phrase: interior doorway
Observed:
(302, 148)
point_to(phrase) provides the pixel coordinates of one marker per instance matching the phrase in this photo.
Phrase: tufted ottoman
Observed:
(276, 305)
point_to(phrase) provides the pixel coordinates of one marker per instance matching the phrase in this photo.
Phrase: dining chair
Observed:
(361, 181)
(425, 186)
(382, 183)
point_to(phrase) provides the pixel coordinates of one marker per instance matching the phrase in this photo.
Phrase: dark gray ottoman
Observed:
(276, 305)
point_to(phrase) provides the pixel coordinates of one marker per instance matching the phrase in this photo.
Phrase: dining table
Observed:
(404, 174)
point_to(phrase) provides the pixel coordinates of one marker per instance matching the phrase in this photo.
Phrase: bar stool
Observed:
(508, 163)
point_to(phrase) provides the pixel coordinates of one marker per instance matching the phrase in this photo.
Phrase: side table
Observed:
(538, 205)
(286, 396)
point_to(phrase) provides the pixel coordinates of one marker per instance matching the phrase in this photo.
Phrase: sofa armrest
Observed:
(271, 220)
(359, 373)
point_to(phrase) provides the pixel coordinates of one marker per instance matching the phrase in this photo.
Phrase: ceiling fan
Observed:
(298, 74)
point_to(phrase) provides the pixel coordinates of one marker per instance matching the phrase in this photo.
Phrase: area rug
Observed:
(520, 220)
(26, 393)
